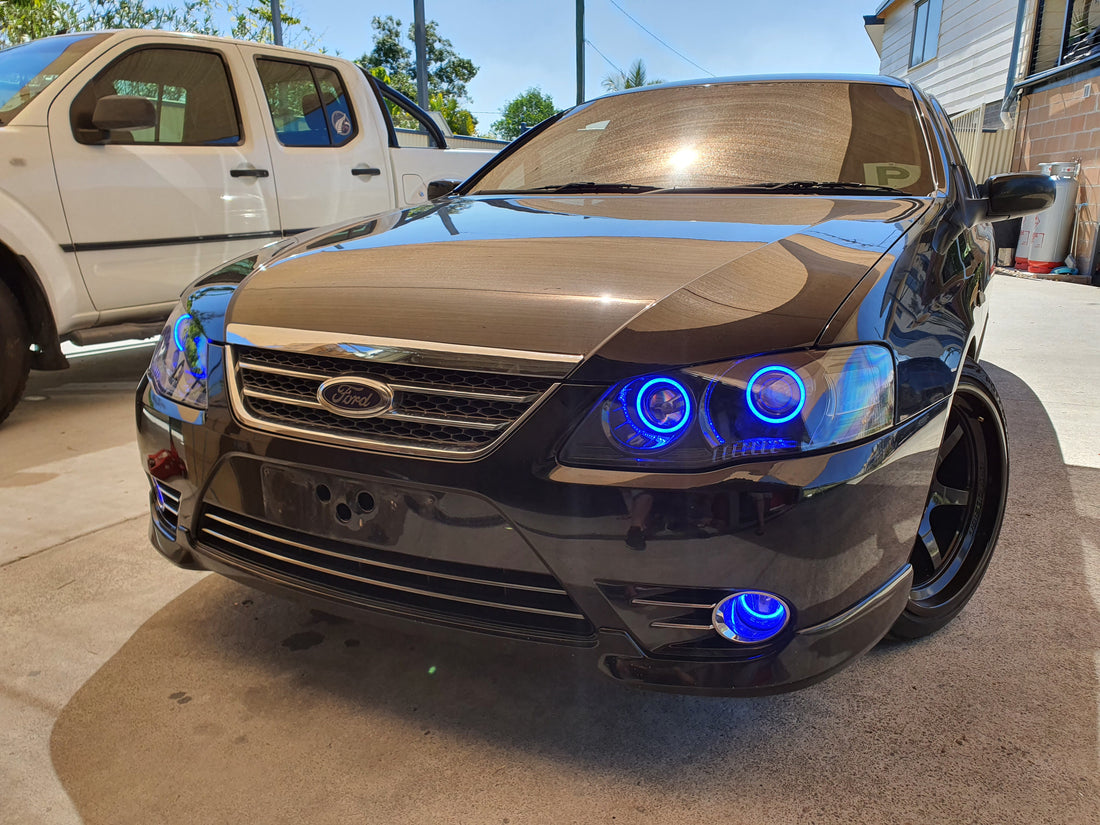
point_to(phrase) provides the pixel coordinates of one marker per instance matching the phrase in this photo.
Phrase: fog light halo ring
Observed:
(750, 616)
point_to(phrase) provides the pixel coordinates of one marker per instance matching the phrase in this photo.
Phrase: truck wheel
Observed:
(15, 353)
(965, 506)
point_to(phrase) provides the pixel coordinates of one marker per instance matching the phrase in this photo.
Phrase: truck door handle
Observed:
(248, 173)
(369, 170)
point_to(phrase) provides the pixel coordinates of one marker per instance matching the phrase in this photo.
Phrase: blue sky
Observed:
(522, 43)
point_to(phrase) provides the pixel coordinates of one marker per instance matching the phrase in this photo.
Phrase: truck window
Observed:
(308, 104)
(189, 89)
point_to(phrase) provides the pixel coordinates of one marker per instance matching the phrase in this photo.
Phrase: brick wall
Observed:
(1063, 124)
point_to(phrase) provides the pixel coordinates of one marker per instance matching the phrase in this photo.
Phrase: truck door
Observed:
(328, 152)
(151, 209)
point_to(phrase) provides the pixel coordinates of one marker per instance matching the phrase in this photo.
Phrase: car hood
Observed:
(654, 279)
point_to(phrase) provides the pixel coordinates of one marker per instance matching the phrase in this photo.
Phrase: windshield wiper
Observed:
(817, 186)
(574, 187)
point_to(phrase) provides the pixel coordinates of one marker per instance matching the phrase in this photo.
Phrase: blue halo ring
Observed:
(645, 419)
(729, 618)
(779, 611)
(176, 330)
(801, 394)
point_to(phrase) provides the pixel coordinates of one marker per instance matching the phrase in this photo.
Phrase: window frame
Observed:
(933, 9)
(382, 93)
(312, 66)
(74, 114)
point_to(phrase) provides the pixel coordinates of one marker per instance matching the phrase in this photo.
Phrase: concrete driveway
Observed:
(132, 692)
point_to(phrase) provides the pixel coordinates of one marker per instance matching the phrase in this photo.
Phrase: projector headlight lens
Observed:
(748, 408)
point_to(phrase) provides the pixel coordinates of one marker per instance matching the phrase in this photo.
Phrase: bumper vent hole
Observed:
(365, 501)
(343, 512)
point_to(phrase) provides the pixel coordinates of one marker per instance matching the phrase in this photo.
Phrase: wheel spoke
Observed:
(950, 442)
(944, 496)
(927, 553)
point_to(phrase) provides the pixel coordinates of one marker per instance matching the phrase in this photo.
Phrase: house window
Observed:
(926, 30)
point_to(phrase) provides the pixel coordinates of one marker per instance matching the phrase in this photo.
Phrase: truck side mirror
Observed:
(124, 112)
(1017, 194)
(439, 188)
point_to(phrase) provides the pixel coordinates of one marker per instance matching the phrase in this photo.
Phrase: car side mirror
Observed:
(439, 188)
(1017, 194)
(124, 112)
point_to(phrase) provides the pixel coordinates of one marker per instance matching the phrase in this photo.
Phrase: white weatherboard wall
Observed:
(971, 63)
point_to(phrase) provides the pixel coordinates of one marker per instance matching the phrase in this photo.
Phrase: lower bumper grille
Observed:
(508, 601)
(166, 508)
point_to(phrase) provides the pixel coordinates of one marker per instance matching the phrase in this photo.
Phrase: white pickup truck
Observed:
(134, 161)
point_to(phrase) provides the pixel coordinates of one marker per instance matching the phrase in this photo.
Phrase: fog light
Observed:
(750, 616)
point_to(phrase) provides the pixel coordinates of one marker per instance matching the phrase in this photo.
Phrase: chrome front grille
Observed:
(435, 410)
(507, 601)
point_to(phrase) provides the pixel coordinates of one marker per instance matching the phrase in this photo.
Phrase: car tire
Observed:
(963, 513)
(15, 353)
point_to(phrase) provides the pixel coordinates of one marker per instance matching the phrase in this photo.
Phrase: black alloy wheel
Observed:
(15, 353)
(966, 503)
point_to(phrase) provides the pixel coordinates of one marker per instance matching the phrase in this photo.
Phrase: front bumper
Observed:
(831, 534)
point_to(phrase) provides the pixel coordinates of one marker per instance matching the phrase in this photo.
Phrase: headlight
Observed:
(178, 368)
(753, 407)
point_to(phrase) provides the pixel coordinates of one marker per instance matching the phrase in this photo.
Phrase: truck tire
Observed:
(15, 353)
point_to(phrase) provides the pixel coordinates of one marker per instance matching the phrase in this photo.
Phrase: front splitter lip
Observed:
(811, 655)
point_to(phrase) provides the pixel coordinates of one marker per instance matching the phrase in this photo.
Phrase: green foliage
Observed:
(393, 61)
(461, 121)
(23, 20)
(447, 71)
(634, 77)
(529, 108)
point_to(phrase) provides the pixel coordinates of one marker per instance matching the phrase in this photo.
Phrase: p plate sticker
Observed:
(340, 123)
(897, 175)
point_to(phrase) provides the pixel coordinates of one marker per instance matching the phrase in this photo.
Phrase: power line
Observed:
(605, 57)
(658, 39)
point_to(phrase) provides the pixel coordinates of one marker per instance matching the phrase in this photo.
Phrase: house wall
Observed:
(971, 63)
(1062, 123)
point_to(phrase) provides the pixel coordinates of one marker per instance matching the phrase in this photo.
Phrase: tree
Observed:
(447, 71)
(23, 20)
(394, 63)
(529, 108)
(634, 77)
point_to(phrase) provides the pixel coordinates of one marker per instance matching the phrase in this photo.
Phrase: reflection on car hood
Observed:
(624, 275)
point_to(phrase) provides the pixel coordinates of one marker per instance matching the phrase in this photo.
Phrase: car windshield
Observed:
(769, 136)
(28, 69)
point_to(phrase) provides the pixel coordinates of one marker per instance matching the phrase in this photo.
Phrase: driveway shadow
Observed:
(230, 705)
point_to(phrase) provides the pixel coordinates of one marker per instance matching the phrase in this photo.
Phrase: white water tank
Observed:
(1028, 228)
(1050, 238)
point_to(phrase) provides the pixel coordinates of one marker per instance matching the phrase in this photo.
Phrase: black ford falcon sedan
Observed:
(687, 377)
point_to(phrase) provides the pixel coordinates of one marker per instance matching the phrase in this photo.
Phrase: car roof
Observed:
(878, 79)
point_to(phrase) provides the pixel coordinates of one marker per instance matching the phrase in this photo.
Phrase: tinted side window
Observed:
(189, 89)
(308, 104)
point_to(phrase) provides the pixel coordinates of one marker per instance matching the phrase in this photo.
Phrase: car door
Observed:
(327, 149)
(151, 209)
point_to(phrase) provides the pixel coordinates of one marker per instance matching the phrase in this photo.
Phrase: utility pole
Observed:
(421, 37)
(276, 23)
(580, 52)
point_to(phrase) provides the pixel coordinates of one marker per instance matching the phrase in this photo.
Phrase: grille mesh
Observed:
(441, 410)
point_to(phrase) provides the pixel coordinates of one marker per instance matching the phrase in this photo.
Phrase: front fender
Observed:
(58, 273)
